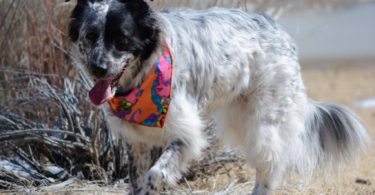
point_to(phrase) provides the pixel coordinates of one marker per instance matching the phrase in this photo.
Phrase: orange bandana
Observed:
(148, 103)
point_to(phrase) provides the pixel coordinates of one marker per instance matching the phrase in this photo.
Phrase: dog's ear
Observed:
(135, 2)
(138, 8)
(82, 2)
(147, 23)
(77, 18)
(79, 1)
(125, 1)
(61, 15)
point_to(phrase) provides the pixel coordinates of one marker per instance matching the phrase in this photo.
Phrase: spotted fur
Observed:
(237, 68)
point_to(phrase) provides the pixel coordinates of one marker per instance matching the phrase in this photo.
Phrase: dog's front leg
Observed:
(186, 141)
(168, 169)
(140, 158)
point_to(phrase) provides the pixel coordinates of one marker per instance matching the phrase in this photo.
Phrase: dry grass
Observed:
(36, 66)
(48, 130)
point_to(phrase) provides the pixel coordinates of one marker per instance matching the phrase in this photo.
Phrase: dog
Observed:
(229, 66)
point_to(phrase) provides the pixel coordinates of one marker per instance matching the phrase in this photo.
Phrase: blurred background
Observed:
(52, 138)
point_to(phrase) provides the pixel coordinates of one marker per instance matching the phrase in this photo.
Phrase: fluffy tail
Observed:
(335, 134)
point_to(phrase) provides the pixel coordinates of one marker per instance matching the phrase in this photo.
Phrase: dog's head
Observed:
(113, 35)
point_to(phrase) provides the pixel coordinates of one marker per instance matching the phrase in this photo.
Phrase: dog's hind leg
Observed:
(258, 139)
(185, 144)
(268, 158)
(267, 179)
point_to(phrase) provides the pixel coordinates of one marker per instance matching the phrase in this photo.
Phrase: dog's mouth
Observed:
(105, 90)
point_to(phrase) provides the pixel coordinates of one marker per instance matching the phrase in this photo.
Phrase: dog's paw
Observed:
(153, 182)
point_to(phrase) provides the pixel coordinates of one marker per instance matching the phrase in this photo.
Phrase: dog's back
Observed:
(227, 53)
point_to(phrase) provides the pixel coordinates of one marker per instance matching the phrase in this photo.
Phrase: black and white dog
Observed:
(236, 68)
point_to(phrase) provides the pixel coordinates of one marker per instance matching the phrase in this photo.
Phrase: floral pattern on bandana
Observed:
(148, 103)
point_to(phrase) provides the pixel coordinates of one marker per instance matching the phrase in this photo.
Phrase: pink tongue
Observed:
(101, 92)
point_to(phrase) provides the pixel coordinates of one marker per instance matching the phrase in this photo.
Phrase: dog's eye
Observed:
(121, 43)
(92, 36)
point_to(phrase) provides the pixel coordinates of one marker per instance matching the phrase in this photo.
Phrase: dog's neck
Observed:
(137, 72)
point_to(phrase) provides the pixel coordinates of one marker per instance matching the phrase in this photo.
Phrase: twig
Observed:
(7, 135)
(56, 187)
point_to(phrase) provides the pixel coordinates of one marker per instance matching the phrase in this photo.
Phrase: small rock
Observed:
(365, 103)
(363, 181)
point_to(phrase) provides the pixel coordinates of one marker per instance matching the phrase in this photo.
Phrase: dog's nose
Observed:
(98, 70)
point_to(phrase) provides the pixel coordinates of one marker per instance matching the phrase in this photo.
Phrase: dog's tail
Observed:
(334, 134)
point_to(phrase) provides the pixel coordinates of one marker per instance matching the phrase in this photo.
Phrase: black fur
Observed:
(77, 19)
(130, 25)
(132, 168)
(332, 121)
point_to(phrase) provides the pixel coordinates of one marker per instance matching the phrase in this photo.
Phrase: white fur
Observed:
(241, 70)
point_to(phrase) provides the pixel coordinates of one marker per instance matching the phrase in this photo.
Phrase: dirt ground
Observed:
(343, 84)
